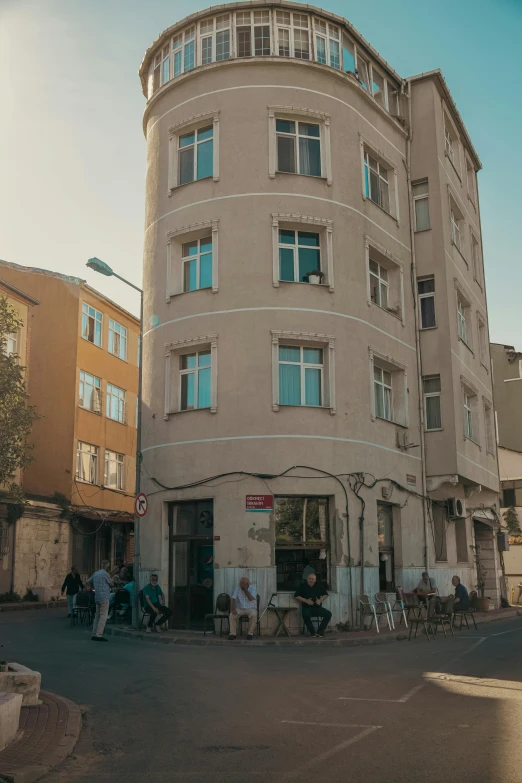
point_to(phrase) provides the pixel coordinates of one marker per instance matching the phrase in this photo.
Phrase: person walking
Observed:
(101, 581)
(72, 585)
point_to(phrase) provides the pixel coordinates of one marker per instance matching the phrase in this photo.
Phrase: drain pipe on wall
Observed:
(417, 331)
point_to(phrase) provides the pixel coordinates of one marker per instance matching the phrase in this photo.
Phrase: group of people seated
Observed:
(427, 590)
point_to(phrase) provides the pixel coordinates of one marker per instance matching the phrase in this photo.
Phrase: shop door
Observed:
(191, 563)
(386, 559)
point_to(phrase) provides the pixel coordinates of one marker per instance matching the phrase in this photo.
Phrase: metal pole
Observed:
(136, 570)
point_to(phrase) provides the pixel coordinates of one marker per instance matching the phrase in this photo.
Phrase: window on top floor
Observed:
(214, 39)
(379, 90)
(362, 71)
(253, 33)
(327, 44)
(117, 339)
(293, 35)
(184, 51)
(471, 181)
(91, 325)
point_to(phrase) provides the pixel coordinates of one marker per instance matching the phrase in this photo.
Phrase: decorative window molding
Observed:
(393, 179)
(489, 431)
(327, 341)
(298, 113)
(395, 299)
(325, 227)
(173, 351)
(483, 341)
(470, 417)
(451, 141)
(177, 130)
(399, 384)
(464, 315)
(175, 239)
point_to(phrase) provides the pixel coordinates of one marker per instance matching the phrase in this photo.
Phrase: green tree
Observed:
(16, 417)
(511, 520)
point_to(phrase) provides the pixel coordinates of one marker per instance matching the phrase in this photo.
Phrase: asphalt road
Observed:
(419, 711)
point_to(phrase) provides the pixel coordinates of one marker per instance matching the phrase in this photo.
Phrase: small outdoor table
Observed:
(281, 613)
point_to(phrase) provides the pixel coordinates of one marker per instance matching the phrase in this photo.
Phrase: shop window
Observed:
(301, 539)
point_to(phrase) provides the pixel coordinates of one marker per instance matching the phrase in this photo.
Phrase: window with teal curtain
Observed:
(299, 254)
(195, 380)
(300, 382)
(205, 164)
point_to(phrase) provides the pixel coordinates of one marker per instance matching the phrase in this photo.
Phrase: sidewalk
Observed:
(47, 735)
(335, 639)
(21, 606)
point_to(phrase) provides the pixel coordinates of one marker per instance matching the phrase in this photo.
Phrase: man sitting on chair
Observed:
(244, 604)
(311, 595)
(154, 605)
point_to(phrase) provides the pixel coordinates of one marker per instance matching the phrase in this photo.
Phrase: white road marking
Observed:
(341, 725)
(326, 755)
(513, 630)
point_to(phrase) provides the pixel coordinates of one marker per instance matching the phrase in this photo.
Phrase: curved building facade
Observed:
(282, 348)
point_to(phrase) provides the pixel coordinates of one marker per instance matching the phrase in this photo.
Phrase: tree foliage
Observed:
(511, 520)
(16, 416)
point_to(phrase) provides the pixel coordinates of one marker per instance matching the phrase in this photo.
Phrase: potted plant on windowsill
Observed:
(315, 277)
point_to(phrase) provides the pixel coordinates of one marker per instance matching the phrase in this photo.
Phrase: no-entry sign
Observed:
(259, 503)
(141, 504)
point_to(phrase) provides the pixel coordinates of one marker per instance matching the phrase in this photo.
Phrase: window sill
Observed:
(484, 366)
(422, 230)
(392, 217)
(279, 406)
(296, 174)
(116, 421)
(396, 313)
(117, 357)
(472, 202)
(88, 483)
(453, 166)
(427, 328)
(459, 251)
(192, 182)
(466, 437)
(189, 410)
(435, 429)
(96, 413)
(91, 343)
(303, 282)
(470, 349)
(479, 284)
(390, 421)
(195, 291)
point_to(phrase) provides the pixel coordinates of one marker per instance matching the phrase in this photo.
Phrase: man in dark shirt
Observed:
(311, 595)
(72, 586)
(461, 596)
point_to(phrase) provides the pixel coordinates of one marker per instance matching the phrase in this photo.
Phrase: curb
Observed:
(24, 607)
(212, 641)
(32, 772)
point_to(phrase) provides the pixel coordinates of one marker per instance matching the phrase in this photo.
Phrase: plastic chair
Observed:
(404, 608)
(465, 613)
(222, 612)
(81, 611)
(441, 619)
(367, 609)
(244, 619)
(383, 605)
(423, 618)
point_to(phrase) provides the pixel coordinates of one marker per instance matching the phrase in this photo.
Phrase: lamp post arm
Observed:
(128, 282)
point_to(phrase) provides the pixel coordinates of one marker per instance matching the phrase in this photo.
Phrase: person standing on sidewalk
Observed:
(101, 582)
(72, 585)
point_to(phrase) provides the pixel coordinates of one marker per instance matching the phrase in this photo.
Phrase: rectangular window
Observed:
(379, 88)
(184, 51)
(222, 37)
(196, 154)
(301, 539)
(476, 260)
(11, 345)
(421, 205)
(177, 54)
(439, 518)
(165, 65)
(378, 284)
(299, 255)
(464, 320)
(426, 290)
(432, 412)
(383, 395)
(89, 396)
(508, 498)
(448, 144)
(467, 401)
(298, 147)
(91, 325)
(253, 33)
(114, 475)
(197, 264)
(189, 49)
(300, 375)
(87, 462)
(348, 55)
(115, 403)
(488, 426)
(327, 50)
(117, 339)
(483, 343)
(362, 71)
(456, 221)
(301, 37)
(461, 540)
(471, 181)
(376, 182)
(195, 380)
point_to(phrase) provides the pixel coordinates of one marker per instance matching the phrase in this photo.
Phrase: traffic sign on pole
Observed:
(141, 504)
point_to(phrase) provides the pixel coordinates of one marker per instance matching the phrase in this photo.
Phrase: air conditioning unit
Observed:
(456, 508)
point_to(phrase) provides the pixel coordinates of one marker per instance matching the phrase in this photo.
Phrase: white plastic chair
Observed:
(383, 606)
(373, 610)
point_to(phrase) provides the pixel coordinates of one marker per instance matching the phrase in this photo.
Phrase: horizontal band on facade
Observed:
(279, 195)
(286, 309)
(396, 452)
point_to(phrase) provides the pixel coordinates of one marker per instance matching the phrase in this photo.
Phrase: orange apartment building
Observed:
(83, 379)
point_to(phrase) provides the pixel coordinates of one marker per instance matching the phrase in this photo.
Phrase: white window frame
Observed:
(387, 391)
(306, 340)
(97, 393)
(213, 34)
(470, 411)
(421, 197)
(384, 103)
(12, 341)
(427, 395)
(464, 316)
(426, 296)
(253, 24)
(451, 142)
(393, 191)
(482, 330)
(121, 337)
(399, 396)
(175, 240)
(114, 391)
(173, 352)
(304, 223)
(476, 259)
(394, 267)
(471, 182)
(291, 27)
(119, 461)
(489, 425)
(96, 320)
(94, 453)
(468, 415)
(327, 36)
(297, 114)
(189, 125)
(456, 236)
(303, 366)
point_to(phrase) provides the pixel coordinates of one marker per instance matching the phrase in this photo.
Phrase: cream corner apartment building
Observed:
(315, 317)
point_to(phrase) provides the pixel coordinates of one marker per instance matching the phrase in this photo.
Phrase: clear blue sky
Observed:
(72, 152)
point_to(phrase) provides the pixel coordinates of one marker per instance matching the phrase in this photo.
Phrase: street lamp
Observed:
(104, 269)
